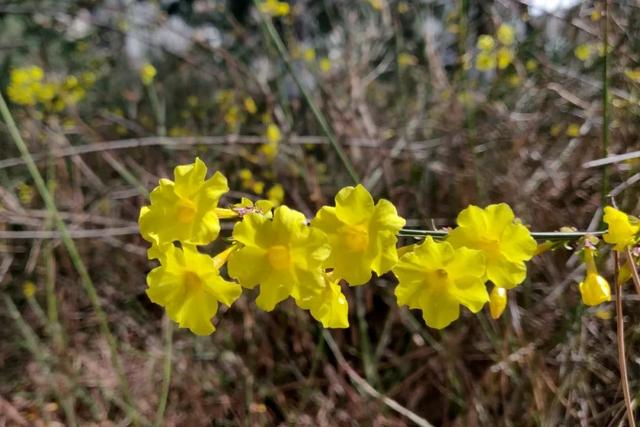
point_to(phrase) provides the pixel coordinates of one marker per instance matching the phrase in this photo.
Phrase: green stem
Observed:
(166, 377)
(538, 235)
(605, 104)
(284, 55)
(74, 255)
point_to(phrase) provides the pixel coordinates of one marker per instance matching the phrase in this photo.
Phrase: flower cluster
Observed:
(284, 255)
(274, 249)
(492, 54)
(30, 86)
(488, 245)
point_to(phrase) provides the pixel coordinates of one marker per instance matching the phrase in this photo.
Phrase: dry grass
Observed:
(432, 137)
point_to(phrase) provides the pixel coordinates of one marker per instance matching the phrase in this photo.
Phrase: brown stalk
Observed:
(622, 358)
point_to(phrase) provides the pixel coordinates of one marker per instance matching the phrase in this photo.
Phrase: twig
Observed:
(367, 388)
(90, 233)
(622, 358)
(282, 51)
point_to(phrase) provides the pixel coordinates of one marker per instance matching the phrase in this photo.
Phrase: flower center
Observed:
(186, 210)
(438, 279)
(489, 246)
(279, 257)
(357, 237)
(192, 282)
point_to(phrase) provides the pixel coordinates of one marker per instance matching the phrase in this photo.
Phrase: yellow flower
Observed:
(276, 195)
(486, 61)
(573, 130)
(406, 60)
(257, 187)
(497, 301)
(325, 65)
(486, 43)
(437, 279)
(362, 235)
(250, 105)
(583, 52)
(245, 174)
(29, 289)
(184, 210)
(633, 74)
(25, 84)
(275, 8)
(504, 57)
(594, 289)
(505, 243)
(505, 34)
(531, 65)
(273, 134)
(188, 285)
(329, 307)
(284, 256)
(622, 228)
(147, 74)
(309, 54)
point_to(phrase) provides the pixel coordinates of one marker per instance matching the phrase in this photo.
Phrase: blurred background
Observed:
(437, 103)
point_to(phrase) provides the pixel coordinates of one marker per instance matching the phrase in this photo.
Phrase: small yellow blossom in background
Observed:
(573, 130)
(275, 8)
(514, 80)
(403, 7)
(25, 193)
(531, 65)
(258, 187)
(504, 57)
(148, 74)
(246, 176)
(407, 60)
(250, 105)
(376, 4)
(486, 43)
(232, 117)
(329, 307)
(309, 54)
(276, 194)
(596, 15)
(594, 289)
(486, 61)
(497, 302)
(23, 85)
(273, 134)
(188, 285)
(505, 34)
(583, 52)
(184, 210)
(505, 243)
(362, 234)
(633, 74)
(437, 279)
(273, 137)
(555, 129)
(622, 228)
(325, 65)
(28, 289)
(284, 256)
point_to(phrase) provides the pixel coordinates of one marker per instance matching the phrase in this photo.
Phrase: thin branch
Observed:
(365, 387)
(622, 357)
